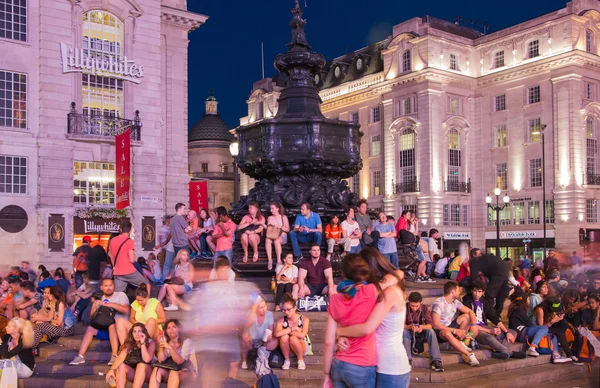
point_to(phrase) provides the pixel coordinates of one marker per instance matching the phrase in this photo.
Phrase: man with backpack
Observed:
(80, 260)
(122, 255)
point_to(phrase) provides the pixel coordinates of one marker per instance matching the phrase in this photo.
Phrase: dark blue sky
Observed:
(224, 54)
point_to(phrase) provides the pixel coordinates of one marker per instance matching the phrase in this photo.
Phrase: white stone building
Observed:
(65, 157)
(449, 114)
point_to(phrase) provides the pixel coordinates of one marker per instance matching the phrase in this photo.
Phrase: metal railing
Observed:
(458, 187)
(408, 186)
(214, 175)
(97, 125)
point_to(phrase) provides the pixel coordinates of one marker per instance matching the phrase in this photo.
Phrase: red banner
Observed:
(123, 168)
(198, 195)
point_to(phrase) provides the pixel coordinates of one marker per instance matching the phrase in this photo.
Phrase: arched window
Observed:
(591, 151)
(589, 41)
(407, 179)
(103, 37)
(454, 160)
(406, 61)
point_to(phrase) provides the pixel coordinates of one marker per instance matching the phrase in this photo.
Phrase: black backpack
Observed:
(268, 381)
(276, 359)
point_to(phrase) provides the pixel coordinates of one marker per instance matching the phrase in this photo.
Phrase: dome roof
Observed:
(210, 127)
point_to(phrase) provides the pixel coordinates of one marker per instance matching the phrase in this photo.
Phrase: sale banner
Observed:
(123, 167)
(198, 195)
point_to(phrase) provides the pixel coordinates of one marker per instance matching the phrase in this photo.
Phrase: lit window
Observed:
(446, 215)
(591, 152)
(13, 100)
(454, 105)
(93, 183)
(500, 103)
(13, 174)
(354, 117)
(549, 214)
(455, 215)
(453, 64)
(535, 172)
(406, 145)
(533, 95)
(454, 158)
(534, 212)
(406, 61)
(589, 41)
(501, 136)
(518, 213)
(465, 215)
(204, 167)
(407, 106)
(502, 176)
(13, 19)
(533, 49)
(376, 145)
(376, 114)
(225, 168)
(376, 183)
(591, 210)
(103, 38)
(535, 129)
(499, 59)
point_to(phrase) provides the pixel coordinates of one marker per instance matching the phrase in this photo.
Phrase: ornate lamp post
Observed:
(497, 208)
(234, 149)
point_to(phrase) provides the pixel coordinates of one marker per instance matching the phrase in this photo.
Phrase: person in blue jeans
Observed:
(386, 244)
(307, 229)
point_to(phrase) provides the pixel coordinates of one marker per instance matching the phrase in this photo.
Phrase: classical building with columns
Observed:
(449, 114)
(72, 74)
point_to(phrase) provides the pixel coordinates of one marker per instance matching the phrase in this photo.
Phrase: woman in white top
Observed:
(206, 230)
(287, 276)
(279, 220)
(183, 273)
(387, 320)
(351, 232)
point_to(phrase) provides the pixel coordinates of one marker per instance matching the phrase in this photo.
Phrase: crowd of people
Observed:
(373, 330)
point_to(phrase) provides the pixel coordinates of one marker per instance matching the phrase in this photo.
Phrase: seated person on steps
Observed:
(420, 322)
(307, 229)
(315, 275)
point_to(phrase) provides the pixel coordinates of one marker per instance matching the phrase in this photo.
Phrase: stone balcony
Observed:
(82, 126)
(219, 176)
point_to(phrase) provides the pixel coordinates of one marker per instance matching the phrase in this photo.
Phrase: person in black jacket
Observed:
(497, 337)
(494, 269)
(17, 343)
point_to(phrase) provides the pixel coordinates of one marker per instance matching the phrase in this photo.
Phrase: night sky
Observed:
(224, 53)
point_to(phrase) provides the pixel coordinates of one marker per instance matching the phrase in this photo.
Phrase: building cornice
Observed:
(181, 18)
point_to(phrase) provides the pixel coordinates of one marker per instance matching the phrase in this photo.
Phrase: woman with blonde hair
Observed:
(18, 343)
(178, 284)
(279, 221)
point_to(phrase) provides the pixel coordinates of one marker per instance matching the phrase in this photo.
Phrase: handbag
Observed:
(9, 374)
(276, 359)
(176, 280)
(169, 364)
(273, 232)
(313, 303)
(103, 318)
(133, 358)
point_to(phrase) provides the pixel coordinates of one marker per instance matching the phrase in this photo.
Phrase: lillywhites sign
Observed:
(517, 234)
(457, 236)
(75, 60)
(104, 227)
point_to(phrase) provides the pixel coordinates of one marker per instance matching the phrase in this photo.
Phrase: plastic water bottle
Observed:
(273, 284)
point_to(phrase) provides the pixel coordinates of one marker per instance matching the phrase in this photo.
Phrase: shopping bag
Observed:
(8, 371)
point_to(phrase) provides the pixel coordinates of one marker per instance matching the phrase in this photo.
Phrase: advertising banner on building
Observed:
(123, 166)
(148, 234)
(56, 233)
(198, 195)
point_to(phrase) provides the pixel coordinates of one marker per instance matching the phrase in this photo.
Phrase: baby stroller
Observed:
(408, 260)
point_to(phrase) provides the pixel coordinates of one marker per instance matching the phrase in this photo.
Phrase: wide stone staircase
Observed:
(53, 369)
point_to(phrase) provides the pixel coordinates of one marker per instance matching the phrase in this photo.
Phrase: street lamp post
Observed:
(234, 149)
(541, 133)
(497, 208)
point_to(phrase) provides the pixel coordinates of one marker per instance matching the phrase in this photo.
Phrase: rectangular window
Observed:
(224, 168)
(406, 61)
(356, 184)
(535, 172)
(465, 220)
(376, 145)
(549, 212)
(502, 176)
(534, 212)
(446, 215)
(501, 136)
(534, 129)
(354, 117)
(260, 114)
(455, 215)
(376, 114)
(533, 95)
(499, 59)
(454, 105)
(500, 103)
(93, 183)
(589, 90)
(589, 38)
(491, 218)
(533, 49)
(204, 167)
(13, 19)
(13, 174)
(591, 211)
(406, 103)
(519, 213)
(376, 182)
(505, 216)
(13, 99)
(453, 64)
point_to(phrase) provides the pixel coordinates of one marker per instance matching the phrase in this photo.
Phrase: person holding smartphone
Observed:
(287, 276)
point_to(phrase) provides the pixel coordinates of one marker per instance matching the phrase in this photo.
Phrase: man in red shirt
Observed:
(403, 223)
(121, 252)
